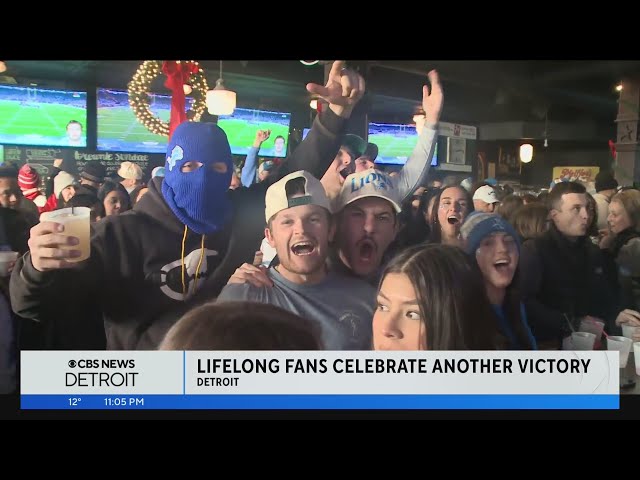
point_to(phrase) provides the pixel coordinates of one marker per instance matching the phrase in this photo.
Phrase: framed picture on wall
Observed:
(508, 162)
(456, 150)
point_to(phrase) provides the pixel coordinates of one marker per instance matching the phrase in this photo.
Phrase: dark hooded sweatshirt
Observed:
(141, 276)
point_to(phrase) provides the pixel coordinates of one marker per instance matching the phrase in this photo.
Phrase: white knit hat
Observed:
(61, 181)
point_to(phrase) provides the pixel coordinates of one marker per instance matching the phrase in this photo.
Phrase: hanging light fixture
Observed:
(221, 101)
(526, 152)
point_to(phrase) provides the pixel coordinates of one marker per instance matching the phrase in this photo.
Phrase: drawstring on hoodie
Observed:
(195, 282)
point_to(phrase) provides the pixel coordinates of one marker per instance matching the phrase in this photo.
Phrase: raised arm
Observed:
(343, 91)
(248, 175)
(55, 170)
(43, 281)
(415, 170)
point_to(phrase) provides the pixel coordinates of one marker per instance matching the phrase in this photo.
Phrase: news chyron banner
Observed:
(320, 380)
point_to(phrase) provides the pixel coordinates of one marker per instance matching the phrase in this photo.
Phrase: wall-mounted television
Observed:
(305, 131)
(241, 128)
(395, 143)
(30, 115)
(118, 128)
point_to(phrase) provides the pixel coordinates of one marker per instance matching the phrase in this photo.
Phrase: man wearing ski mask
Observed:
(180, 243)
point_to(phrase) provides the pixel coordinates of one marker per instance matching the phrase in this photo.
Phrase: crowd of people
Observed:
(319, 250)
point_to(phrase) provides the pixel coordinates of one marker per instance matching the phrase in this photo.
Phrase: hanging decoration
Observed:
(612, 149)
(179, 73)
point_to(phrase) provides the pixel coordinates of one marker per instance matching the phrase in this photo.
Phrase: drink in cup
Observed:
(76, 223)
(623, 345)
(592, 326)
(628, 331)
(583, 340)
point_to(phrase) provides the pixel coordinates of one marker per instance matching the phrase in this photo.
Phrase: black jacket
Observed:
(562, 281)
(134, 276)
(14, 230)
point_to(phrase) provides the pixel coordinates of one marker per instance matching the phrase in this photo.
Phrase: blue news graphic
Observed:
(319, 402)
(327, 380)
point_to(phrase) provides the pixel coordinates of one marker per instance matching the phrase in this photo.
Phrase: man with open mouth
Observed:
(299, 227)
(367, 223)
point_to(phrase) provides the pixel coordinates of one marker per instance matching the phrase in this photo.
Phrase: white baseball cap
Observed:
(276, 197)
(368, 183)
(486, 193)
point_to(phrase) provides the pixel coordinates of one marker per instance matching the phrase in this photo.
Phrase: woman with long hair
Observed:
(431, 297)
(531, 221)
(495, 246)
(622, 246)
(114, 197)
(450, 208)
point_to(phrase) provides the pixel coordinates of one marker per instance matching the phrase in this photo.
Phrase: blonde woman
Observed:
(622, 242)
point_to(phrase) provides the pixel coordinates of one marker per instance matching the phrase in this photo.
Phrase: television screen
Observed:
(38, 116)
(241, 130)
(118, 128)
(305, 131)
(395, 143)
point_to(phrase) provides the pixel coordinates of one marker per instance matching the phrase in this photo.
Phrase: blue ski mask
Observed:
(199, 198)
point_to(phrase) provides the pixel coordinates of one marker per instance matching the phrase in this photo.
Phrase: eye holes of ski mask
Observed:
(191, 166)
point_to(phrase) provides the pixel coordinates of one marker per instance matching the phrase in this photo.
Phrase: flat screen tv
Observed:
(45, 117)
(395, 143)
(118, 128)
(241, 128)
(305, 131)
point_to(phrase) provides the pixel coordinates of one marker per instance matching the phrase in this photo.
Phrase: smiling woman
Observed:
(494, 244)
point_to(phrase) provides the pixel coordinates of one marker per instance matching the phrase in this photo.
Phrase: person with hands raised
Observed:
(248, 176)
(180, 243)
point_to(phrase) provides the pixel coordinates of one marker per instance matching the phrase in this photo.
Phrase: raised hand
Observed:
(261, 136)
(432, 100)
(343, 90)
(628, 317)
(45, 244)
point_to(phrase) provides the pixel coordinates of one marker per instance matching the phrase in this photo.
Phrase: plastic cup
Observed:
(77, 223)
(621, 344)
(592, 326)
(6, 258)
(628, 331)
(583, 340)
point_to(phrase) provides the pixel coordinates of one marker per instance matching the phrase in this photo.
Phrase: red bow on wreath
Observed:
(177, 76)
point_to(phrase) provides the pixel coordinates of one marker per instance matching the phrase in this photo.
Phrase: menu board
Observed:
(74, 159)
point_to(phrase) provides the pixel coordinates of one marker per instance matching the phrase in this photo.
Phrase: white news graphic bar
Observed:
(100, 372)
(505, 372)
(322, 373)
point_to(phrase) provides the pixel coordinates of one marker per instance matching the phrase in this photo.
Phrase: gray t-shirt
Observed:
(342, 306)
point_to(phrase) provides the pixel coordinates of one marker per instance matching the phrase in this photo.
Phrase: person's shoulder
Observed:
(341, 280)
(241, 291)
(129, 224)
(630, 252)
